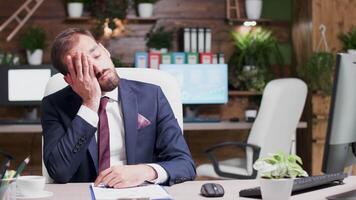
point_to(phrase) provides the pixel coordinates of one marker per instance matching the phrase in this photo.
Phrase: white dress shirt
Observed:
(117, 132)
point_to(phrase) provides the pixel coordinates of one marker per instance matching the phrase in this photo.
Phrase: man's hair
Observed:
(63, 43)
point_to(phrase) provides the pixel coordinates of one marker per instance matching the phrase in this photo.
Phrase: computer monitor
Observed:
(200, 83)
(23, 85)
(340, 144)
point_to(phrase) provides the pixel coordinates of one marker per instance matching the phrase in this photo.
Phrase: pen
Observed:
(22, 166)
(4, 167)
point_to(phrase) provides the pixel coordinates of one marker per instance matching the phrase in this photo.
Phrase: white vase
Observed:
(145, 10)
(276, 189)
(34, 58)
(75, 9)
(253, 9)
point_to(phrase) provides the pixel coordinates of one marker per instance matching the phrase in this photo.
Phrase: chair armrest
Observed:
(256, 152)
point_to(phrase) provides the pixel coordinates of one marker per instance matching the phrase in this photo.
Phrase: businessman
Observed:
(102, 128)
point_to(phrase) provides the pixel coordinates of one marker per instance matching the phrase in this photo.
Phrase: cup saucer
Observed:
(42, 194)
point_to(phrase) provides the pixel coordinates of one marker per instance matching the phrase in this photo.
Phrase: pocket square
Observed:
(142, 122)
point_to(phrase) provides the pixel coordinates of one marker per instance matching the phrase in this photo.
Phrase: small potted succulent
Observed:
(75, 8)
(278, 172)
(34, 41)
(145, 8)
(349, 40)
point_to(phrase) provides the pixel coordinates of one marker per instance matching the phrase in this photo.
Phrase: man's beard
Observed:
(110, 82)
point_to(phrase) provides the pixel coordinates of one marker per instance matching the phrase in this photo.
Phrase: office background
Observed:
(294, 22)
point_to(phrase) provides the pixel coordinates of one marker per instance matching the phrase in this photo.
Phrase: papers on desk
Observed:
(143, 192)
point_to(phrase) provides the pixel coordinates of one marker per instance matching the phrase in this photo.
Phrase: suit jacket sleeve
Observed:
(66, 140)
(173, 152)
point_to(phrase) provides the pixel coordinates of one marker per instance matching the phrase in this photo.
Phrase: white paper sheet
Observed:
(144, 192)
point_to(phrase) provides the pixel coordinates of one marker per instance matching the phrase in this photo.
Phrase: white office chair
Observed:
(168, 83)
(280, 110)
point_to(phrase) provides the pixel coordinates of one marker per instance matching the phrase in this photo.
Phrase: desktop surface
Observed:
(191, 190)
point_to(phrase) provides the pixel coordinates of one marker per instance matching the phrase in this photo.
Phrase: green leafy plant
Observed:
(33, 38)
(160, 38)
(258, 49)
(348, 39)
(7, 59)
(117, 62)
(318, 71)
(280, 165)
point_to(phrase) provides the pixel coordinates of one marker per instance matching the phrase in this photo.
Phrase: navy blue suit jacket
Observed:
(70, 149)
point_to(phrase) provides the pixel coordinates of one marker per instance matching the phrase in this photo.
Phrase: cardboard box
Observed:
(206, 58)
(192, 58)
(154, 60)
(166, 58)
(178, 58)
(141, 59)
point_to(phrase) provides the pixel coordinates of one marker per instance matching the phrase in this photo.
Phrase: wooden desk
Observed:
(191, 190)
(224, 125)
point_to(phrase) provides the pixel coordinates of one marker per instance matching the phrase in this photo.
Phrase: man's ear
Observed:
(105, 49)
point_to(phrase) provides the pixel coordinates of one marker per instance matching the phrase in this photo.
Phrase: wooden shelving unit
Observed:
(262, 22)
(129, 19)
(78, 19)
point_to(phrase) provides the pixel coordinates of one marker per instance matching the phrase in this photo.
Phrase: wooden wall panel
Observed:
(337, 15)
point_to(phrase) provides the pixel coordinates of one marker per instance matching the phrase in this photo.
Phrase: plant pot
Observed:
(34, 58)
(145, 10)
(75, 9)
(253, 9)
(351, 51)
(276, 189)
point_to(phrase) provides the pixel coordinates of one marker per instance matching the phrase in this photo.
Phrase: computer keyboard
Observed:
(19, 121)
(301, 185)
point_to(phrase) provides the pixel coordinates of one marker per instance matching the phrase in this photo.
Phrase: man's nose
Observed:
(97, 71)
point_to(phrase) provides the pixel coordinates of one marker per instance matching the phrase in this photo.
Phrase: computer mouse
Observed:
(212, 190)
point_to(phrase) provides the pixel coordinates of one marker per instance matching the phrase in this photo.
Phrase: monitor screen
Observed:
(200, 83)
(23, 85)
(27, 84)
(340, 144)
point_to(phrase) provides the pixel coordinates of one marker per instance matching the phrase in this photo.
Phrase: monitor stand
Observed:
(191, 116)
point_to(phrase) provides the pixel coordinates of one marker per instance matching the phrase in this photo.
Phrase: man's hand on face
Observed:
(81, 78)
(122, 176)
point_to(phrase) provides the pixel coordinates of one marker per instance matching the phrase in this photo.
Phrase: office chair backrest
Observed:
(278, 116)
(168, 83)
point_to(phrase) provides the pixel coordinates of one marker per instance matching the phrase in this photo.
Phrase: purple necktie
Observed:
(104, 136)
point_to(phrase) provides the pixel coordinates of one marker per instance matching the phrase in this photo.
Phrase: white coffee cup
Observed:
(30, 185)
(250, 115)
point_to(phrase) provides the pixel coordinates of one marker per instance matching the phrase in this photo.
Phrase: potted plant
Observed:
(278, 172)
(34, 41)
(159, 40)
(250, 66)
(349, 40)
(317, 72)
(75, 8)
(253, 9)
(145, 8)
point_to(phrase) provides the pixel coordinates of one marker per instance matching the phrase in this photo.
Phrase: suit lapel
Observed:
(129, 110)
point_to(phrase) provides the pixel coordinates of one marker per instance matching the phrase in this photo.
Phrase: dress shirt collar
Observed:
(113, 95)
